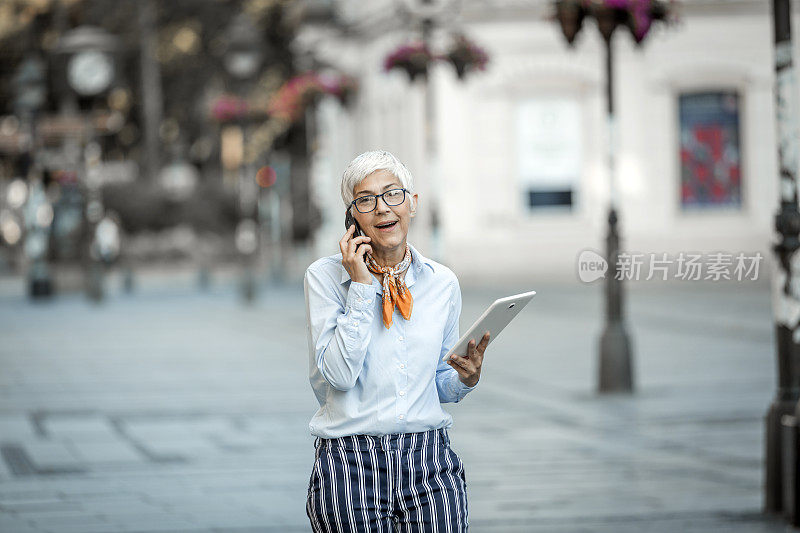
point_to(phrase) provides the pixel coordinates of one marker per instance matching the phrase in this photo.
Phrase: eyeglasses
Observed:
(369, 202)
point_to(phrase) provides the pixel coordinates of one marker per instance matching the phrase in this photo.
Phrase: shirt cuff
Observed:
(360, 296)
(462, 390)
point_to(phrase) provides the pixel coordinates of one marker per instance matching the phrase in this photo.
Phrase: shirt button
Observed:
(402, 365)
(401, 417)
(400, 338)
(402, 393)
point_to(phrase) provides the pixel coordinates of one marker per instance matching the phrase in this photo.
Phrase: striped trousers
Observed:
(407, 482)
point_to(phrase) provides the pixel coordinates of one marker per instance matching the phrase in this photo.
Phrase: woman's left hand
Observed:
(469, 366)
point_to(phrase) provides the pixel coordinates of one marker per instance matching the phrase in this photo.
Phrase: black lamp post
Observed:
(429, 13)
(90, 70)
(242, 60)
(781, 457)
(30, 85)
(616, 368)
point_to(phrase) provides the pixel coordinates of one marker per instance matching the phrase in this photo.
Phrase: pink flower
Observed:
(640, 13)
(228, 107)
(414, 53)
(474, 55)
(291, 100)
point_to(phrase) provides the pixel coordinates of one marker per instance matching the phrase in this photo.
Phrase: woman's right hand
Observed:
(352, 259)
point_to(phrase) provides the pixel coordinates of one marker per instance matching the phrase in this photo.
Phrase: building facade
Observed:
(521, 148)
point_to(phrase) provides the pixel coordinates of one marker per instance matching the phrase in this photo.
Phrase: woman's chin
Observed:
(386, 242)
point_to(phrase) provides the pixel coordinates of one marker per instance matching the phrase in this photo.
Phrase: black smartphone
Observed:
(349, 220)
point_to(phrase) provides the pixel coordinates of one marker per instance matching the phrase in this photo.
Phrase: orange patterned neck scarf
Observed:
(395, 291)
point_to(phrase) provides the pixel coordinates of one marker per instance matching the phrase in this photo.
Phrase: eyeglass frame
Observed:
(353, 203)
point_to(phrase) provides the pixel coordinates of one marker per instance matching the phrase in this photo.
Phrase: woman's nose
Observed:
(381, 206)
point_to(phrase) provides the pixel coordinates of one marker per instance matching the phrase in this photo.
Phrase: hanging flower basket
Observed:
(642, 15)
(291, 100)
(342, 86)
(466, 56)
(228, 108)
(570, 13)
(413, 59)
(637, 15)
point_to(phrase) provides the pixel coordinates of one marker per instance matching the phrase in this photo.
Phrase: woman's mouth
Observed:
(387, 228)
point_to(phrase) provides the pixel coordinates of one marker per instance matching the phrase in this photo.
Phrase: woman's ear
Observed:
(414, 205)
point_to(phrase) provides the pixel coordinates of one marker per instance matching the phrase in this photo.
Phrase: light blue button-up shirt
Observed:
(372, 380)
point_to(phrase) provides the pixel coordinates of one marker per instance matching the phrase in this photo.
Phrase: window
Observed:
(549, 151)
(710, 150)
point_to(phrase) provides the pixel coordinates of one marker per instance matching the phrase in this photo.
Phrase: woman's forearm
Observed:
(339, 334)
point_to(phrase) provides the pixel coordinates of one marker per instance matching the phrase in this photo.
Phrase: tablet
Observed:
(493, 320)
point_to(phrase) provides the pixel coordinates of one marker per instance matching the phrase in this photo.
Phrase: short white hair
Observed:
(367, 163)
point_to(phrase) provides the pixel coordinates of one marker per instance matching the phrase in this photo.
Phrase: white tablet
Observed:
(493, 320)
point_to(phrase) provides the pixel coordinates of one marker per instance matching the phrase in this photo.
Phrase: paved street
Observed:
(174, 411)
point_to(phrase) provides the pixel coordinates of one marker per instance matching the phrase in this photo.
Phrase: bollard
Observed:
(128, 283)
(248, 285)
(790, 464)
(774, 455)
(94, 282)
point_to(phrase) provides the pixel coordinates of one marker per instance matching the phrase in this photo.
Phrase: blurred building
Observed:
(160, 114)
(522, 146)
(516, 153)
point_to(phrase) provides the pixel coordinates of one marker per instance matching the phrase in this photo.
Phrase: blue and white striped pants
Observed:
(407, 482)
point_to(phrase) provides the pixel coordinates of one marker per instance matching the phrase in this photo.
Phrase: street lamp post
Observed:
(615, 372)
(426, 13)
(431, 152)
(616, 368)
(31, 92)
(152, 97)
(242, 60)
(90, 70)
(781, 456)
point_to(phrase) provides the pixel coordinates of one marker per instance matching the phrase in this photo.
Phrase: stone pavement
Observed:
(174, 411)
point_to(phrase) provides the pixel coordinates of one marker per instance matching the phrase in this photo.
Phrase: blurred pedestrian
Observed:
(383, 457)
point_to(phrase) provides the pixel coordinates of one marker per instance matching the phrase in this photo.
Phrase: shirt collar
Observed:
(417, 262)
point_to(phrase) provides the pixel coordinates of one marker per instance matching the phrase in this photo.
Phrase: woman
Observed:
(380, 319)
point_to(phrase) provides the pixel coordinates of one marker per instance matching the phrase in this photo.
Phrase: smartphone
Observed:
(349, 220)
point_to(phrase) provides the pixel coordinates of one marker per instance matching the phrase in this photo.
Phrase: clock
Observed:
(90, 72)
